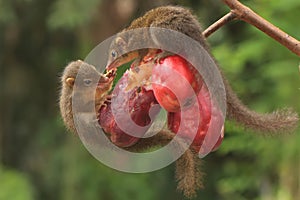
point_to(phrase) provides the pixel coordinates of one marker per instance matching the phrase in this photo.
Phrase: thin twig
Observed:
(218, 24)
(246, 14)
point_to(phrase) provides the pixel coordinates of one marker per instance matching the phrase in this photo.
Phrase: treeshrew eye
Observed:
(87, 82)
(114, 54)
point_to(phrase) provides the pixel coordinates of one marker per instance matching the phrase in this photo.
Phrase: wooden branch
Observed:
(218, 24)
(246, 14)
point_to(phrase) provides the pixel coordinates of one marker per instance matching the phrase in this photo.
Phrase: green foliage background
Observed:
(39, 160)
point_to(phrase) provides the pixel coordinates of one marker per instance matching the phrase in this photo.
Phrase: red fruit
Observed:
(205, 109)
(174, 80)
(127, 118)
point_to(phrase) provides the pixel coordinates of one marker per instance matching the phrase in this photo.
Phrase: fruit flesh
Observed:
(117, 136)
(126, 117)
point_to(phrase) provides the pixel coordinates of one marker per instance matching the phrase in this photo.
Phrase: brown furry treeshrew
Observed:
(182, 20)
(89, 76)
(188, 172)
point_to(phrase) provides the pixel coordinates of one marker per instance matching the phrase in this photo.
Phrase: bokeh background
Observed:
(40, 160)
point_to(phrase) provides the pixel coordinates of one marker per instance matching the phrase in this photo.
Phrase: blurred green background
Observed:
(40, 160)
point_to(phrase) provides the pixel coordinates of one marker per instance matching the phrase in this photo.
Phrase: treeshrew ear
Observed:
(120, 41)
(70, 81)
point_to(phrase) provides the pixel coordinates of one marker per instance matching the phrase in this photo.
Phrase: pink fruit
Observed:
(205, 110)
(173, 76)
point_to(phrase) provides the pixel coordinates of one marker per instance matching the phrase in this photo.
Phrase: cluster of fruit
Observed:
(168, 82)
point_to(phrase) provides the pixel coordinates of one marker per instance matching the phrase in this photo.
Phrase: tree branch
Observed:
(218, 24)
(242, 12)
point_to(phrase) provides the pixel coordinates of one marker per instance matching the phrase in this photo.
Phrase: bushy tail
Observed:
(188, 166)
(280, 121)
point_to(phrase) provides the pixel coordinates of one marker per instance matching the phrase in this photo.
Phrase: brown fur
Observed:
(65, 101)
